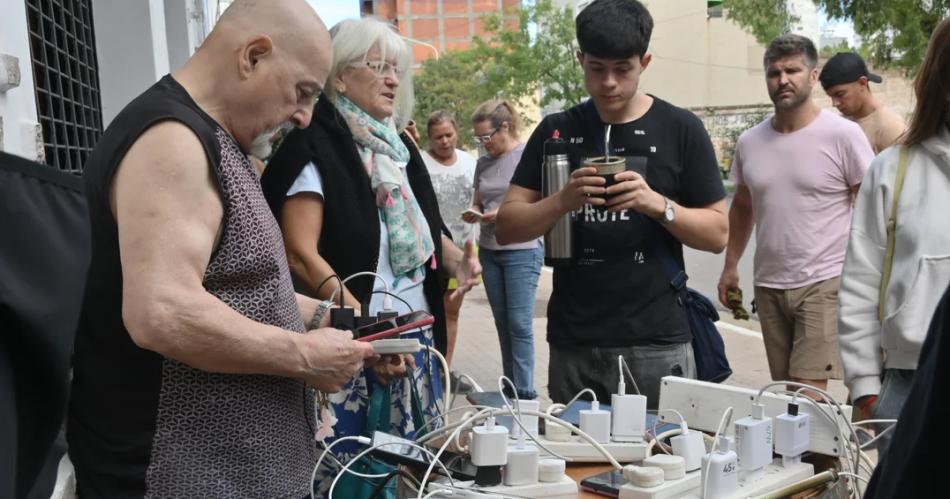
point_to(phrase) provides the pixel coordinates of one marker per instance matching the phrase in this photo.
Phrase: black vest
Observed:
(349, 238)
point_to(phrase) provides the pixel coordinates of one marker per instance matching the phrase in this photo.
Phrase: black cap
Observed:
(845, 67)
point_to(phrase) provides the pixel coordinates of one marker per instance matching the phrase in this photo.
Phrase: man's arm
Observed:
(741, 221)
(169, 216)
(524, 215)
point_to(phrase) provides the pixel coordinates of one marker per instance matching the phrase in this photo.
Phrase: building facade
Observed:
(68, 67)
(436, 26)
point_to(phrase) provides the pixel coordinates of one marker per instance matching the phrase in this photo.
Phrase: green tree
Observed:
(514, 61)
(763, 19)
(895, 32)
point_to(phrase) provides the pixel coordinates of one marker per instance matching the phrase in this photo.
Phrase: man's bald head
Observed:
(271, 59)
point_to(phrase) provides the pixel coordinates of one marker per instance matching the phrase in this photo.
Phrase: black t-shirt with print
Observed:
(617, 293)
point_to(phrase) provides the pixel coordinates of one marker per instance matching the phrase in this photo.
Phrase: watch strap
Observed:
(318, 314)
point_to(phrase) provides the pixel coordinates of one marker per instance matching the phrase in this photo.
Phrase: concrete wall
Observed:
(18, 120)
(132, 50)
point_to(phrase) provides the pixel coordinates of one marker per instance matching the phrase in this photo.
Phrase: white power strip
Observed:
(681, 487)
(773, 477)
(702, 405)
(581, 451)
(564, 488)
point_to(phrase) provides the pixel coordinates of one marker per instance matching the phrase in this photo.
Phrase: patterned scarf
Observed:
(410, 243)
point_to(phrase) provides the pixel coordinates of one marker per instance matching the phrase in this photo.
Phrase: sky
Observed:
(334, 11)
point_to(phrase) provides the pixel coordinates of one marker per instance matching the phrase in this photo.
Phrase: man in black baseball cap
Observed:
(845, 78)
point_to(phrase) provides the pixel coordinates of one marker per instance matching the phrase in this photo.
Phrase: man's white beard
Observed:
(262, 146)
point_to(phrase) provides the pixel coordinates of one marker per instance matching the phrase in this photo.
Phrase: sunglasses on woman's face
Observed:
(484, 139)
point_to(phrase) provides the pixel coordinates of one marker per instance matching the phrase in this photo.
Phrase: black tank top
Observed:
(144, 425)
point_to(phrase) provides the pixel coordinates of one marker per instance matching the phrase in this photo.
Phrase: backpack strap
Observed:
(891, 230)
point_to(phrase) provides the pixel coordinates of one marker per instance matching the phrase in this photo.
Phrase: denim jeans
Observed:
(511, 281)
(890, 401)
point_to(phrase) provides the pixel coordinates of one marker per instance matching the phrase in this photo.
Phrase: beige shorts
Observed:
(800, 329)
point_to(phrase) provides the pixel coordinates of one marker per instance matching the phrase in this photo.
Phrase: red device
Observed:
(392, 327)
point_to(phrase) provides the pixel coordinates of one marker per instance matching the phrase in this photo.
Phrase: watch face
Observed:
(668, 214)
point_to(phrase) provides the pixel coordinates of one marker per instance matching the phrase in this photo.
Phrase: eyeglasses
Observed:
(484, 139)
(384, 68)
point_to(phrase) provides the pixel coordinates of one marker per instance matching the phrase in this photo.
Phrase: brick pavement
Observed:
(477, 352)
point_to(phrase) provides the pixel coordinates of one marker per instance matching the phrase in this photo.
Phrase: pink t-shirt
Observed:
(801, 196)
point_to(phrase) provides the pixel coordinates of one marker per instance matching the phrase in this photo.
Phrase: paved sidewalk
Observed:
(477, 352)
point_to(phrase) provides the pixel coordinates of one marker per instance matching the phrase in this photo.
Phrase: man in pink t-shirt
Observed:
(796, 176)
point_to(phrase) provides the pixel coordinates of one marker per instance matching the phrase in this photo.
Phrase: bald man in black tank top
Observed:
(195, 361)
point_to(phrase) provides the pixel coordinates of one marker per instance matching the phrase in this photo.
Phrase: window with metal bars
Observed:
(66, 74)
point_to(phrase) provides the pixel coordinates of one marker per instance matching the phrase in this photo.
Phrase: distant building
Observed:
(437, 26)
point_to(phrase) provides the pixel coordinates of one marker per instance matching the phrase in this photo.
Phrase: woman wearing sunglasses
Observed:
(510, 271)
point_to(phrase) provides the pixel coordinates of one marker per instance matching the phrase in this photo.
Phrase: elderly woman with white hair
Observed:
(352, 194)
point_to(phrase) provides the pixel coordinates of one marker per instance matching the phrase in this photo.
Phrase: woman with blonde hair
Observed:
(898, 260)
(510, 271)
(352, 195)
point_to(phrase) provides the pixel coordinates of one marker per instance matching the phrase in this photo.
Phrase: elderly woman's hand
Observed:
(390, 367)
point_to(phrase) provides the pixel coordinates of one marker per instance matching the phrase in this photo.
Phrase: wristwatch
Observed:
(668, 214)
(318, 314)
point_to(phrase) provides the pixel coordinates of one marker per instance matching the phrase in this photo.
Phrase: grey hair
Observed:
(791, 44)
(353, 39)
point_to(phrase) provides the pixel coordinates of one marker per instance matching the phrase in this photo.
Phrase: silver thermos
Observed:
(555, 174)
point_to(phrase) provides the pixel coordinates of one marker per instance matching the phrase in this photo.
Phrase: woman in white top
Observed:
(880, 343)
(453, 175)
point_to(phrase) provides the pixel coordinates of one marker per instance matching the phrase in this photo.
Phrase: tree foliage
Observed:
(516, 61)
(894, 32)
(763, 19)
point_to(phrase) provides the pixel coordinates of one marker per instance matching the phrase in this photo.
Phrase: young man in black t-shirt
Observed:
(616, 298)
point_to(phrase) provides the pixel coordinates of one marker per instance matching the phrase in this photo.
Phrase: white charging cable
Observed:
(723, 423)
(313, 477)
(621, 368)
(445, 370)
(387, 299)
(346, 468)
(517, 419)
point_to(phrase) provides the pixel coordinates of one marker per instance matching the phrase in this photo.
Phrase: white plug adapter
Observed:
(689, 445)
(529, 421)
(674, 467)
(489, 444)
(721, 478)
(596, 423)
(551, 470)
(643, 476)
(628, 417)
(792, 435)
(754, 440)
(522, 467)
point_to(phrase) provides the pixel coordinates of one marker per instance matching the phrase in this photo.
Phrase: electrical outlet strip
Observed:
(702, 405)
(774, 476)
(681, 487)
(581, 451)
(566, 488)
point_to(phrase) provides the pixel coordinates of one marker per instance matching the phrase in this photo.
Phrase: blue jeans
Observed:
(511, 280)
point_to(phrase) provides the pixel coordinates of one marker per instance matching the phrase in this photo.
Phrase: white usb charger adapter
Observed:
(792, 435)
(754, 441)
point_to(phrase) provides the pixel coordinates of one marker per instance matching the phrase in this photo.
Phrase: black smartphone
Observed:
(606, 484)
(397, 452)
(391, 327)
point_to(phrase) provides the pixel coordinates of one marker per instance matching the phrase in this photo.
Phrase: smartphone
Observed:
(607, 483)
(391, 327)
(397, 452)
